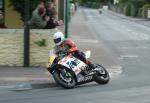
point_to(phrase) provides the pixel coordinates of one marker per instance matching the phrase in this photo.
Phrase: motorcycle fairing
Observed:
(73, 63)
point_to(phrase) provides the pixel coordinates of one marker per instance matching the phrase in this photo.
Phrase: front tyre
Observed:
(66, 81)
(101, 76)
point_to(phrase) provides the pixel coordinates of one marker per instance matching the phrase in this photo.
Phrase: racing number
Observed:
(73, 64)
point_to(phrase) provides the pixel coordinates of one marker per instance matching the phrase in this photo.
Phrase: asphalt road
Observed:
(129, 42)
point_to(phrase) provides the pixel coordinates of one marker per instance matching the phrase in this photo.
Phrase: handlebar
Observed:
(62, 54)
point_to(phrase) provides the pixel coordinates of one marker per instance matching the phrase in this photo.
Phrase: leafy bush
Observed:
(87, 4)
(92, 3)
(127, 9)
(131, 7)
(122, 1)
(95, 5)
(41, 43)
(134, 10)
(146, 6)
(140, 11)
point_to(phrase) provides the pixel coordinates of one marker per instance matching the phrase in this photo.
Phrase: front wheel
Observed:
(66, 80)
(101, 76)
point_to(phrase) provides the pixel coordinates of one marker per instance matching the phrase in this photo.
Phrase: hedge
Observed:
(127, 9)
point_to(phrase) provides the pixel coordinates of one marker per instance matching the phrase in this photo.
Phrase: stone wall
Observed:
(12, 45)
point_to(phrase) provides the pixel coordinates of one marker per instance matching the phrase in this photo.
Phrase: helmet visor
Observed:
(57, 40)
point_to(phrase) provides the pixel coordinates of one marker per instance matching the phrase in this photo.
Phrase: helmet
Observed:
(58, 38)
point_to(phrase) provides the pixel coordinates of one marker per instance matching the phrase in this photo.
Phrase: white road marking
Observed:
(140, 47)
(128, 56)
(115, 71)
(22, 78)
(139, 36)
(128, 30)
(88, 40)
(19, 87)
(90, 16)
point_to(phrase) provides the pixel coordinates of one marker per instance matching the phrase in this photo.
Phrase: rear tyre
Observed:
(67, 82)
(101, 76)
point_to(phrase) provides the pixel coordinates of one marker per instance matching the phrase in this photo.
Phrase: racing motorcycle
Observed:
(69, 71)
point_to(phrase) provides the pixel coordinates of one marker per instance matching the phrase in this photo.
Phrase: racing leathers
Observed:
(69, 46)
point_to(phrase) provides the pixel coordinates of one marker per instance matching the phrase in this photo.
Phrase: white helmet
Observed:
(58, 38)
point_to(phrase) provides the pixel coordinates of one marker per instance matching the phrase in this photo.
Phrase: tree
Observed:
(136, 2)
(83, 2)
(132, 7)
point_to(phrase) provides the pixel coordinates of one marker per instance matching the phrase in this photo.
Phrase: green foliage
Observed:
(127, 9)
(146, 1)
(122, 1)
(41, 43)
(140, 12)
(132, 7)
(133, 11)
(92, 3)
(146, 6)
(19, 6)
(95, 5)
(137, 3)
(88, 4)
(82, 2)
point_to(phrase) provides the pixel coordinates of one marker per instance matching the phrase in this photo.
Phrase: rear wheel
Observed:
(66, 80)
(101, 76)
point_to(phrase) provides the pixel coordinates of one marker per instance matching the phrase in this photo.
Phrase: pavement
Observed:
(87, 39)
(20, 78)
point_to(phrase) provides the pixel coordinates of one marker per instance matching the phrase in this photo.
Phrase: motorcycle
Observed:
(69, 71)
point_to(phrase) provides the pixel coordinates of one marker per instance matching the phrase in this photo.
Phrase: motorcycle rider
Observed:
(62, 44)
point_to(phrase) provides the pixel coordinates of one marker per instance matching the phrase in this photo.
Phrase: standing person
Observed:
(2, 25)
(76, 6)
(41, 4)
(37, 21)
(52, 13)
(54, 2)
(1, 20)
(49, 9)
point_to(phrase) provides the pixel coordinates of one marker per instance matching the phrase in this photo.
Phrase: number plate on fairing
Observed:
(75, 64)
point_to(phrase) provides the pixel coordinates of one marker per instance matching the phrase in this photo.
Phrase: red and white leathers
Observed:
(69, 45)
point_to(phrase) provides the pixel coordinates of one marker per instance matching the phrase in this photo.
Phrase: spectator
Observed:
(37, 21)
(1, 18)
(76, 6)
(54, 2)
(72, 7)
(49, 9)
(2, 21)
(41, 4)
(53, 22)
